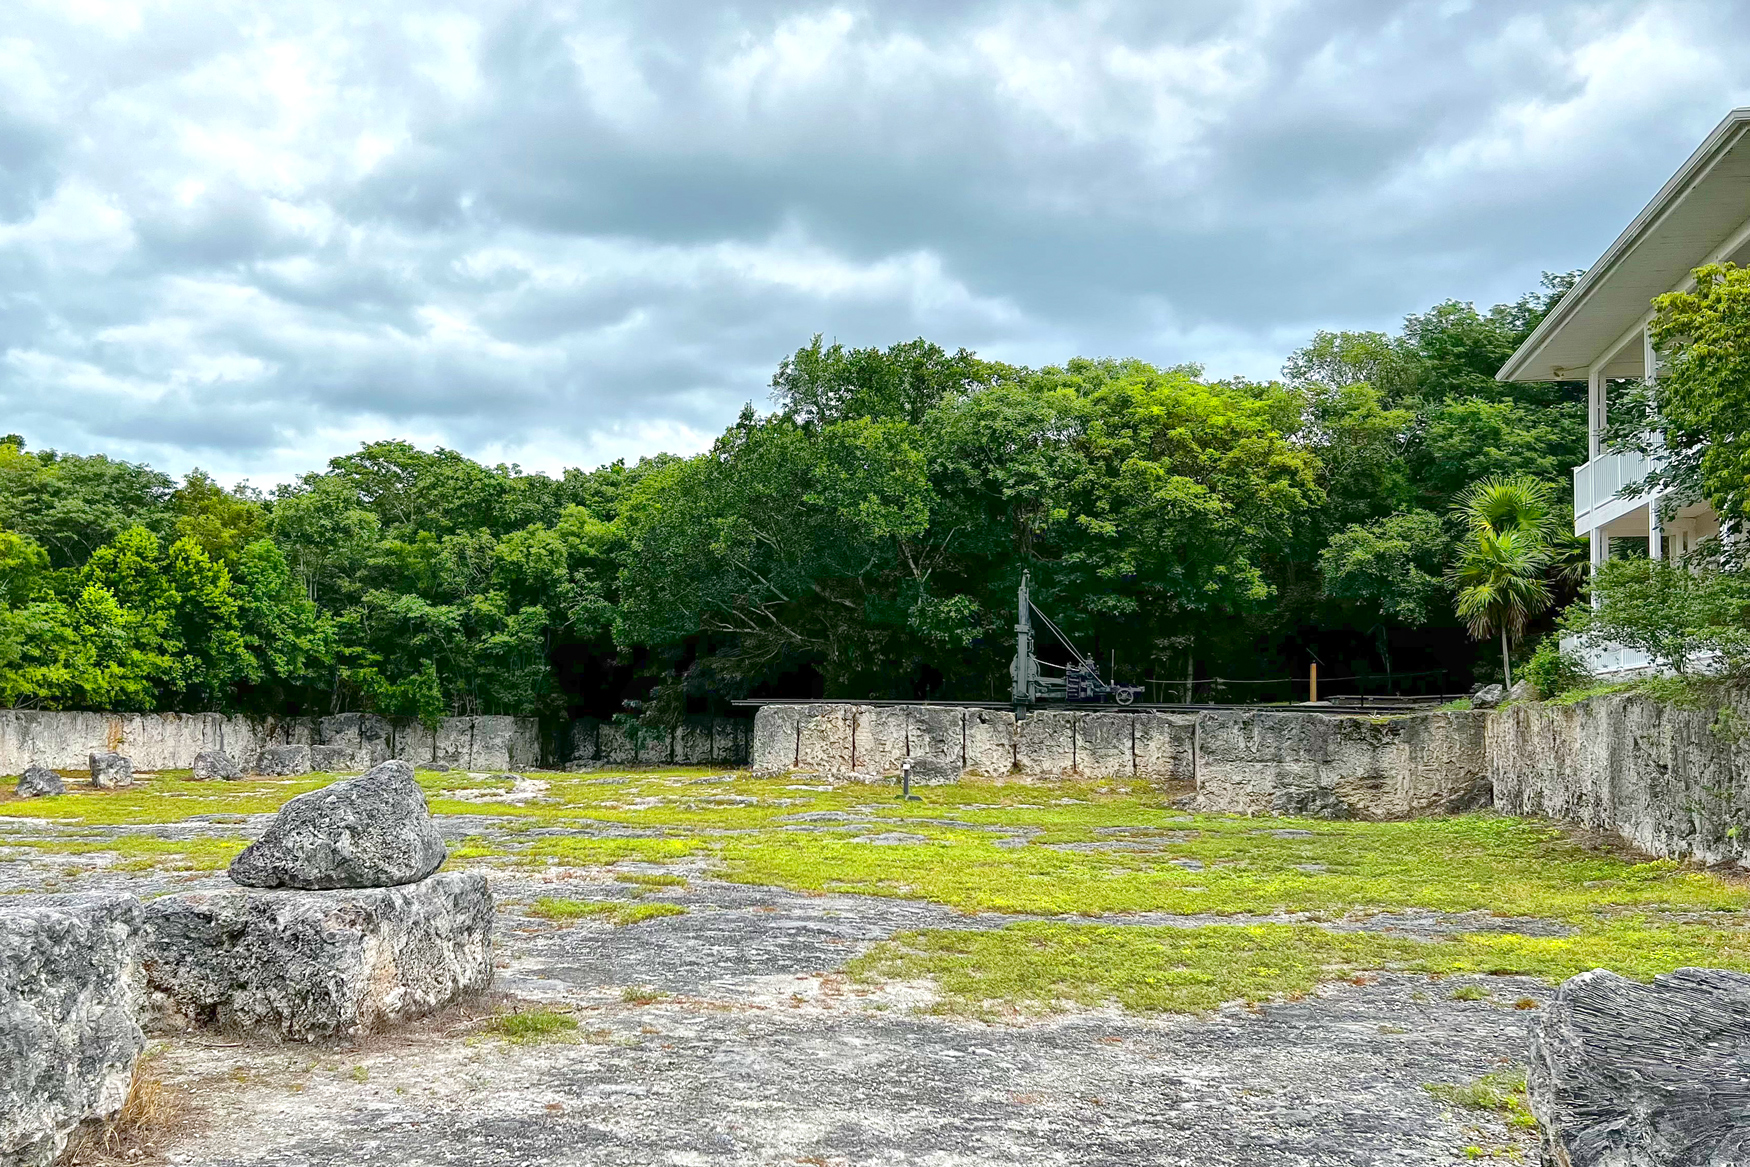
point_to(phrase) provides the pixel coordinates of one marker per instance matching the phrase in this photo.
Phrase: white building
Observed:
(1599, 332)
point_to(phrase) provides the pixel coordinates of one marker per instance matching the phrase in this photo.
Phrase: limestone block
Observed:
(823, 737)
(990, 742)
(210, 765)
(1164, 744)
(882, 732)
(774, 737)
(364, 737)
(280, 761)
(335, 759)
(318, 964)
(453, 745)
(693, 744)
(1624, 1074)
(1328, 766)
(38, 781)
(1045, 744)
(937, 732)
(68, 1037)
(1105, 744)
(413, 741)
(617, 745)
(111, 771)
(369, 831)
(739, 736)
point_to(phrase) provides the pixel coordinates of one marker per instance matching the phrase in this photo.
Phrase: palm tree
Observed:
(1501, 569)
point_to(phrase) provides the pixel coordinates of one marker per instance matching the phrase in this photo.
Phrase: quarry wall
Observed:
(169, 741)
(1662, 777)
(1241, 761)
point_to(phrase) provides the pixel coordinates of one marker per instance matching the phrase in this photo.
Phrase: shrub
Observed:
(1676, 612)
(1553, 671)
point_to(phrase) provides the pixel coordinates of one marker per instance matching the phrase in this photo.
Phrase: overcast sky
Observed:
(247, 236)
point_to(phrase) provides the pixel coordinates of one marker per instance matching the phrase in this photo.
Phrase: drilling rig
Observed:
(1081, 679)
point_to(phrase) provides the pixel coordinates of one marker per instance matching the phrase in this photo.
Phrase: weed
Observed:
(652, 881)
(1470, 993)
(1503, 1091)
(636, 995)
(529, 1026)
(360, 1074)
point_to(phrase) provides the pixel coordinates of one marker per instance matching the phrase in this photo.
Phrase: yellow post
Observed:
(1312, 684)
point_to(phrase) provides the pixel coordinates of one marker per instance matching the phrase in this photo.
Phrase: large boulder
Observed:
(1631, 1075)
(68, 1037)
(304, 965)
(38, 781)
(210, 764)
(284, 761)
(110, 771)
(371, 831)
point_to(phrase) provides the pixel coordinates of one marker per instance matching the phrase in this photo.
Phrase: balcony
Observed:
(1596, 484)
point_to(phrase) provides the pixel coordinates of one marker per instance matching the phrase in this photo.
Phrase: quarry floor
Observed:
(845, 979)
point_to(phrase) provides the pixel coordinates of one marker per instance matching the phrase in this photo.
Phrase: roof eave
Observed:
(1524, 358)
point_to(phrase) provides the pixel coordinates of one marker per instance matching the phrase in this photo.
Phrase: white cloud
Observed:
(250, 236)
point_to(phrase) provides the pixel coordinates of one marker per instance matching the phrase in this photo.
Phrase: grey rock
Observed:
(68, 1038)
(111, 770)
(38, 781)
(369, 831)
(329, 759)
(211, 764)
(1488, 697)
(892, 839)
(1522, 691)
(306, 965)
(1630, 1075)
(284, 761)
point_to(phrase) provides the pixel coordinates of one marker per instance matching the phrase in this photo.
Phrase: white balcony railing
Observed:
(1596, 484)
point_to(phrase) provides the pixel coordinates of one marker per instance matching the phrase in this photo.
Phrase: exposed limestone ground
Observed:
(716, 969)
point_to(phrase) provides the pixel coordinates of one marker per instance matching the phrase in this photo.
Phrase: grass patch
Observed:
(142, 852)
(616, 912)
(530, 1026)
(1040, 967)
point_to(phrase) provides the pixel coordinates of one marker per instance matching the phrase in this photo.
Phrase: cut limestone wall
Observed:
(711, 741)
(170, 741)
(1314, 764)
(946, 739)
(1658, 775)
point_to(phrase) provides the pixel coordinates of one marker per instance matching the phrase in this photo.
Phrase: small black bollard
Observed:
(905, 794)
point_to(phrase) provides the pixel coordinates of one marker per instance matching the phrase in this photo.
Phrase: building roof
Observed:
(1692, 217)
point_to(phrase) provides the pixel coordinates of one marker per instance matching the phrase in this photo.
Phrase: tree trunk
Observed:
(1506, 662)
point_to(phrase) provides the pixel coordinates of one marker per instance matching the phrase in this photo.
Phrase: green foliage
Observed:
(1500, 572)
(865, 539)
(1676, 612)
(1699, 406)
(1392, 566)
(1553, 671)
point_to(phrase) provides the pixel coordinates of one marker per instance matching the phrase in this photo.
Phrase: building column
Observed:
(1649, 374)
(1595, 411)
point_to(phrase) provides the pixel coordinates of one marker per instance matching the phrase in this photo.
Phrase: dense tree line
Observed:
(863, 538)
